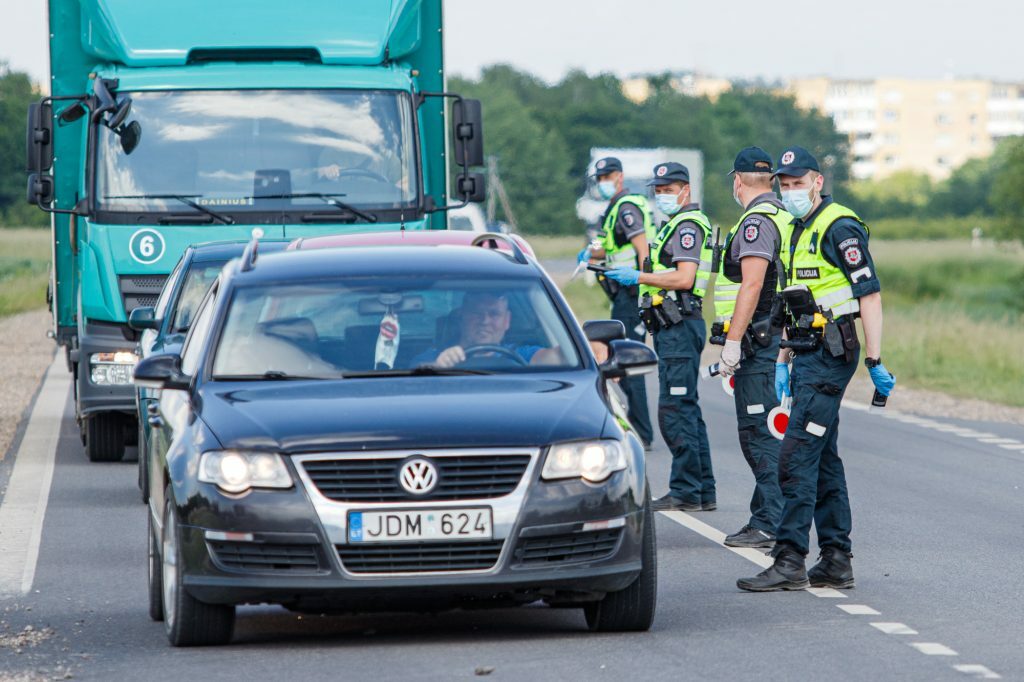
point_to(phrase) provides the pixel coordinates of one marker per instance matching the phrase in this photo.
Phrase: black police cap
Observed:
(608, 164)
(666, 173)
(797, 161)
(752, 160)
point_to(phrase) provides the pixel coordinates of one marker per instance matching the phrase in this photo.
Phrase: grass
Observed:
(551, 248)
(24, 267)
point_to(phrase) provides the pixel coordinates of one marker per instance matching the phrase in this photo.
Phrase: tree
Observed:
(16, 93)
(1007, 194)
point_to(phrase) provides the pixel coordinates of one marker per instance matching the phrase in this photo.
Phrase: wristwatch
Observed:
(871, 363)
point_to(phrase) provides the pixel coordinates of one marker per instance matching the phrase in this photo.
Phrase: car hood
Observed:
(405, 412)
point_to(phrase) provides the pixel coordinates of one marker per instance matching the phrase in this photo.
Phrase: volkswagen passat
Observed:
(400, 428)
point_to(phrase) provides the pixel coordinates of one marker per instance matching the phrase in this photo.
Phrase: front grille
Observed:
(139, 291)
(555, 549)
(255, 557)
(376, 479)
(418, 557)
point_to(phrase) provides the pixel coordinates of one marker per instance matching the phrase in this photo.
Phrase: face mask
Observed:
(606, 188)
(797, 201)
(668, 203)
(736, 198)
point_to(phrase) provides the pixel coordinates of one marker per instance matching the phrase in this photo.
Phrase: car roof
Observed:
(226, 250)
(408, 238)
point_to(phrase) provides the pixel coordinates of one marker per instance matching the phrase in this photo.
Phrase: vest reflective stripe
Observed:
(831, 289)
(668, 231)
(726, 291)
(624, 256)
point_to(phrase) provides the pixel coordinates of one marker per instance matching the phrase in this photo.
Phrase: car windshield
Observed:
(361, 327)
(255, 150)
(198, 279)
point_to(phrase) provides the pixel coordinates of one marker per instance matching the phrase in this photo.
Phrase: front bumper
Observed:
(94, 398)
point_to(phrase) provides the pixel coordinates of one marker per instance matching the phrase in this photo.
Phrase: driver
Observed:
(484, 321)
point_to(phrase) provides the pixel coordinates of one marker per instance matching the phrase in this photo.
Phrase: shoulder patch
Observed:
(751, 229)
(687, 237)
(628, 218)
(852, 253)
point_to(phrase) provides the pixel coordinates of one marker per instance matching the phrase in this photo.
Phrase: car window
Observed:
(324, 329)
(197, 337)
(197, 280)
(165, 294)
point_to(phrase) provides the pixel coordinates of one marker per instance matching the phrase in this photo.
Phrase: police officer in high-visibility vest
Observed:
(672, 289)
(746, 298)
(832, 281)
(626, 229)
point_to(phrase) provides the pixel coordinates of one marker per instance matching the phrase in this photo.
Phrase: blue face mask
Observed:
(606, 188)
(668, 203)
(797, 201)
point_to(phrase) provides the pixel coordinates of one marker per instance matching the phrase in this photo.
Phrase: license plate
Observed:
(413, 526)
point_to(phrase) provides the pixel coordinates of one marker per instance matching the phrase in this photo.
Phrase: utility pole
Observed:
(496, 193)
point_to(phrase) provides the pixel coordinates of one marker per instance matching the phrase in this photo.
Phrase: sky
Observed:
(730, 38)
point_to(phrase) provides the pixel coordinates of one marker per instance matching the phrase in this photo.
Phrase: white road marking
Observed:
(933, 649)
(1015, 446)
(858, 609)
(998, 441)
(826, 593)
(28, 491)
(977, 670)
(718, 537)
(894, 628)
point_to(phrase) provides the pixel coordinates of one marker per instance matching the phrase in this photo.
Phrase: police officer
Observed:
(828, 253)
(671, 296)
(746, 295)
(626, 229)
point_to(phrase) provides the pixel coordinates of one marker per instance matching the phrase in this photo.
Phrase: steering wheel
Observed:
(492, 348)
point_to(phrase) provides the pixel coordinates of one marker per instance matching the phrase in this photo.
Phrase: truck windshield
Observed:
(269, 151)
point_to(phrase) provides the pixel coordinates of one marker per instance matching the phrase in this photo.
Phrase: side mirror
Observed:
(627, 358)
(129, 136)
(604, 331)
(471, 187)
(161, 371)
(39, 137)
(468, 132)
(143, 318)
(40, 189)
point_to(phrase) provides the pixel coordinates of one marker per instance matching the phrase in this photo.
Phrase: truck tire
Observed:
(631, 609)
(187, 621)
(104, 437)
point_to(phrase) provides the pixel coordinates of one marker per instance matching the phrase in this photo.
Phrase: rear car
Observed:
(382, 428)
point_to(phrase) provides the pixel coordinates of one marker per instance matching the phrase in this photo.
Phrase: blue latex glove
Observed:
(882, 379)
(782, 380)
(625, 276)
(583, 255)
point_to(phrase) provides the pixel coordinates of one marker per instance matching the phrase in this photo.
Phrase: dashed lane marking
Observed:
(977, 670)
(894, 628)
(858, 609)
(1012, 446)
(933, 649)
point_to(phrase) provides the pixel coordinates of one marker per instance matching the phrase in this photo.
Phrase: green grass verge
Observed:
(551, 248)
(24, 267)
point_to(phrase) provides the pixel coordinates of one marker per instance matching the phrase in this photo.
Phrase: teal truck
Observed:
(174, 123)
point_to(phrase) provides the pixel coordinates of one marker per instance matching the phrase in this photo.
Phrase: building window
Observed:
(943, 119)
(891, 115)
(893, 96)
(891, 138)
(944, 96)
(943, 140)
(891, 160)
(942, 161)
(973, 118)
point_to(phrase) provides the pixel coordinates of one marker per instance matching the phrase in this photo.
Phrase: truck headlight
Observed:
(592, 461)
(235, 472)
(112, 369)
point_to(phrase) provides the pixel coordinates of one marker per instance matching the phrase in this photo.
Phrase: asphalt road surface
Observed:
(938, 555)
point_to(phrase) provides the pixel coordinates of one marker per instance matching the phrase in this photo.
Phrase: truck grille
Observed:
(419, 557)
(251, 557)
(376, 479)
(573, 547)
(139, 291)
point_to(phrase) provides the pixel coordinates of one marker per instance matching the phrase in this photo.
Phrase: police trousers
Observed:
(755, 398)
(682, 424)
(625, 310)
(811, 475)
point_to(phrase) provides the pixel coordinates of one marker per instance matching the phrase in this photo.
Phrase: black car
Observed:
(165, 325)
(398, 428)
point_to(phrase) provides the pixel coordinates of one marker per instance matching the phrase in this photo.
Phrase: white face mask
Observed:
(798, 201)
(606, 188)
(736, 197)
(668, 203)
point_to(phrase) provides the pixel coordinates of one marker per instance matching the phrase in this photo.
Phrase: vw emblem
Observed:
(418, 476)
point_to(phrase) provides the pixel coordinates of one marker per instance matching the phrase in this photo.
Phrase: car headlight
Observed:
(235, 472)
(112, 369)
(592, 461)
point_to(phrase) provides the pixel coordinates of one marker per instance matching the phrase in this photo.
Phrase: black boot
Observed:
(669, 503)
(748, 536)
(832, 570)
(787, 573)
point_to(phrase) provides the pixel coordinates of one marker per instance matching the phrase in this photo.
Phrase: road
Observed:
(937, 514)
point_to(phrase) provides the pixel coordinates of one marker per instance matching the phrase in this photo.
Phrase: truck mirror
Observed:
(39, 137)
(121, 113)
(470, 187)
(40, 189)
(130, 136)
(468, 132)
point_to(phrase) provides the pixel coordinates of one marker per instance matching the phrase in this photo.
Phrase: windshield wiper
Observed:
(269, 375)
(422, 370)
(326, 198)
(187, 199)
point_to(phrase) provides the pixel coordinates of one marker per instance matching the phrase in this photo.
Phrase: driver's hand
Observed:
(330, 172)
(450, 357)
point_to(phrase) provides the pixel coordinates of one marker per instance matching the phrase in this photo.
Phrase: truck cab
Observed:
(170, 124)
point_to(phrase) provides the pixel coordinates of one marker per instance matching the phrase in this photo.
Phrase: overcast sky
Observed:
(734, 38)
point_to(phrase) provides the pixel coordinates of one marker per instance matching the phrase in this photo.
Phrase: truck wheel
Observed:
(156, 588)
(188, 621)
(143, 466)
(104, 437)
(631, 609)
